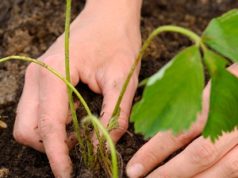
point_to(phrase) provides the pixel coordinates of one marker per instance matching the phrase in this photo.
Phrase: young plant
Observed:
(85, 142)
(172, 97)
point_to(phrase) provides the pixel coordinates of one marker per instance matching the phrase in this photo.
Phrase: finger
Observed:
(53, 117)
(205, 108)
(234, 69)
(226, 167)
(111, 92)
(198, 156)
(25, 127)
(164, 144)
(155, 151)
(88, 77)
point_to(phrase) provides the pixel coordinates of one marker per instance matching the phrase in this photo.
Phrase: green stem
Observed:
(67, 72)
(53, 71)
(104, 131)
(143, 82)
(167, 28)
(66, 38)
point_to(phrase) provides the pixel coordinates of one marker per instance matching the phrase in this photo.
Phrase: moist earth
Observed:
(29, 27)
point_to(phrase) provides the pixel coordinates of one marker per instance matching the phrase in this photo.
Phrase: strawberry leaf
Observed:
(221, 35)
(223, 112)
(172, 96)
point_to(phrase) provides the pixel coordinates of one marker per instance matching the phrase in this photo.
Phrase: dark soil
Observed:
(29, 27)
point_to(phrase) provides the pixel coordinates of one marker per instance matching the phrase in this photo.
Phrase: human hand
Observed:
(105, 39)
(200, 159)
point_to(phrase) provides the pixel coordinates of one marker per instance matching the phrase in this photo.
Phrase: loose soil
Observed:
(29, 27)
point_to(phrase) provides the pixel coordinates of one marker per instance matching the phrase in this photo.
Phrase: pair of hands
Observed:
(102, 50)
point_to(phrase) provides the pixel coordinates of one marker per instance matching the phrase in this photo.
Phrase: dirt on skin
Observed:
(29, 27)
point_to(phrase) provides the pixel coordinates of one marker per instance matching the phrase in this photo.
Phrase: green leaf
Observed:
(222, 35)
(172, 96)
(223, 113)
(214, 61)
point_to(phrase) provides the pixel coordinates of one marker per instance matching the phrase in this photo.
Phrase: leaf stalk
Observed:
(166, 28)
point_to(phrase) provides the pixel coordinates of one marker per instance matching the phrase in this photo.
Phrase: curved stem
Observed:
(53, 71)
(104, 131)
(167, 28)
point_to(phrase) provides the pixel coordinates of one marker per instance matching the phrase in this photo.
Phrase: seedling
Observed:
(85, 142)
(172, 97)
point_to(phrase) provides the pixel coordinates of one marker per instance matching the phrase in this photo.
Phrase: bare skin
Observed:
(200, 159)
(105, 38)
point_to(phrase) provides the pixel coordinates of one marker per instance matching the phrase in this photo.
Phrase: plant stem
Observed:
(53, 71)
(143, 82)
(167, 28)
(104, 131)
(67, 72)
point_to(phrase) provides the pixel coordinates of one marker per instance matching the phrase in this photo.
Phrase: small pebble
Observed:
(3, 125)
(4, 172)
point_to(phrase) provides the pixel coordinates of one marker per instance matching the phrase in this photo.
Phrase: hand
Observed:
(200, 159)
(104, 43)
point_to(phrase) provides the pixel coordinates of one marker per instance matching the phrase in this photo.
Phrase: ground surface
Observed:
(29, 27)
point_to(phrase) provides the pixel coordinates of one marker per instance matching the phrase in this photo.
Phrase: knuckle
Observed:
(152, 156)
(123, 124)
(86, 75)
(74, 75)
(113, 85)
(203, 153)
(231, 167)
(21, 135)
(45, 126)
(30, 71)
(51, 60)
(54, 61)
(184, 138)
(57, 63)
(172, 140)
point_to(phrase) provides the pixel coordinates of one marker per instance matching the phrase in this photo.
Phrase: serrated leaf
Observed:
(172, 96)
(214, 61)
(223, 112)
(222, 35)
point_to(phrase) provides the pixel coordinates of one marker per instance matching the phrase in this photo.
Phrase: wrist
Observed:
(123, 9)
(134, 5)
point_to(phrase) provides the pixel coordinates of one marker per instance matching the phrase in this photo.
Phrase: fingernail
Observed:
(135, 171)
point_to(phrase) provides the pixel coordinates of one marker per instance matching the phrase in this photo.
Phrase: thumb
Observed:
(111, 91)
